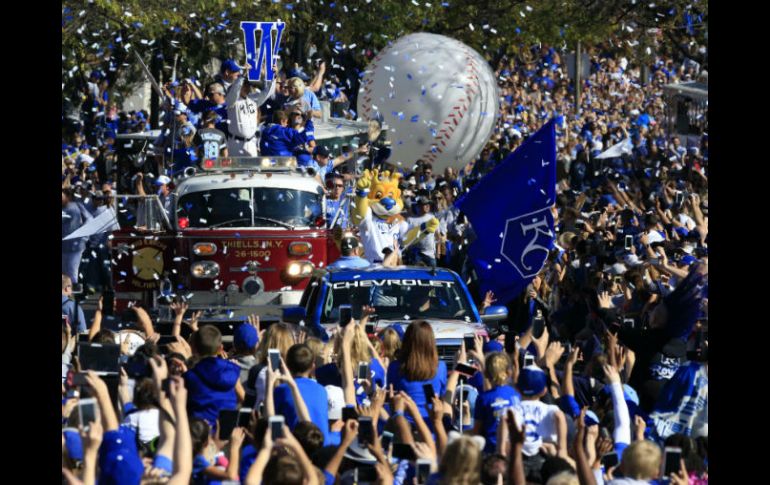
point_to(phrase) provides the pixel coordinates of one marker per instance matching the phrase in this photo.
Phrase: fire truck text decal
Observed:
(252, 244)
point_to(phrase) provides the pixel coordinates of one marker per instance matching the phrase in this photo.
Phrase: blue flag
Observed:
(510, 211)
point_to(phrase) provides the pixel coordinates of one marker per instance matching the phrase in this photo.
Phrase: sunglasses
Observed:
(338, 186)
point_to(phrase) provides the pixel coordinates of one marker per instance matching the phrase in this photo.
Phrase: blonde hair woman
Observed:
(360, 350)
(277, 336)
(461, 463)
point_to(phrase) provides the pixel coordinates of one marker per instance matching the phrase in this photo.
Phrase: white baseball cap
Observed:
(162, 180)
(85, 158)
(336, 401)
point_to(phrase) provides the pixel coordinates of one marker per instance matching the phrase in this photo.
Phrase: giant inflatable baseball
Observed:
(437, 96)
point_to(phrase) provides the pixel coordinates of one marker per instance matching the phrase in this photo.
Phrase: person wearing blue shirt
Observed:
(278, 139)
(329, 374)
(73, 216)
(323, 165)
(298, 93)
(335, 198)
(301, 363)
(211, 383)
(68, 306)
(305, 138)
(214, 101)
(491, 404)
(418, 365)
(350, 258)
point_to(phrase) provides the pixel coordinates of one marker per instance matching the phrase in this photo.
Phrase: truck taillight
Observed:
(184, 222)
(300, 248)
(205, 249)
(205, 269)
(208, 163)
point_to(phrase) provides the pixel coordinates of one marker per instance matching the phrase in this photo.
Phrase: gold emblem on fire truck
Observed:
(148, 263)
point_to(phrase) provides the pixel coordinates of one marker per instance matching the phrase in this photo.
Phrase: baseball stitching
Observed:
(449, 125)
(457, 112)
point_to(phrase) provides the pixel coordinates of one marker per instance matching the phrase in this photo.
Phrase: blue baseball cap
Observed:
(321, 151)
(399, 330)
(682, 231)
(532, 381)
(231, 65)
(591, 419)
(629, 393)
(688, 259)
(119, 460)
(297, 73)
(74, 443)
(245, 336)
(493, 346)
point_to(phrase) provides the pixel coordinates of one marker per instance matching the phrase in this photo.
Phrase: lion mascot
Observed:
(377, 211)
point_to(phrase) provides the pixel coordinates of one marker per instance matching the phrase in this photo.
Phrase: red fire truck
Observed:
(239, 237)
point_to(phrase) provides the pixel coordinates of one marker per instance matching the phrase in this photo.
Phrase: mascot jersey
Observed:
(377, 234)
(377, 211)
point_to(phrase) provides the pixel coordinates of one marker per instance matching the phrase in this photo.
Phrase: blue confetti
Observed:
(434, 85)
(415, 118)
(408, 76)
(331, 5)
(433, 132)
(289, 6)
(423, 91)
(517, 30)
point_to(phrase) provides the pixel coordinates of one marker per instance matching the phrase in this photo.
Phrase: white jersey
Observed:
(539, 424)
(243, 119)
(377, 234)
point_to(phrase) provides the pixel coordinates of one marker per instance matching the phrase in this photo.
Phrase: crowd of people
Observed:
(598, 374)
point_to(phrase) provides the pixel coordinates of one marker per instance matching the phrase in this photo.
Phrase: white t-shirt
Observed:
(146, 422)
(654, 236)
(376, 235)
(540, 424)
(686, 221)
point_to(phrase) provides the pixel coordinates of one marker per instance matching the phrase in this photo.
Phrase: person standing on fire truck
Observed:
(165, 194)
(243, 100)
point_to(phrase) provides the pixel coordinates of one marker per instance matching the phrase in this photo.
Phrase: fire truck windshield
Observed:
(249, 207)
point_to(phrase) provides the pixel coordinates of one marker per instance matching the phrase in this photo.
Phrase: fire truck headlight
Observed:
(205, 269)
(300, 269)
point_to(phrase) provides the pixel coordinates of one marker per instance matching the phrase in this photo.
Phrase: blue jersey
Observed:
(278, 141)
(332, 208)
(490, 409)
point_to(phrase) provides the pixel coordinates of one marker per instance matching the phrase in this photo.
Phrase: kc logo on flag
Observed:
(510, 211)
(527, 240)
(268, 50)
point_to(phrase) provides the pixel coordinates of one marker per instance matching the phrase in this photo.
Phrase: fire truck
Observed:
(240, 236)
